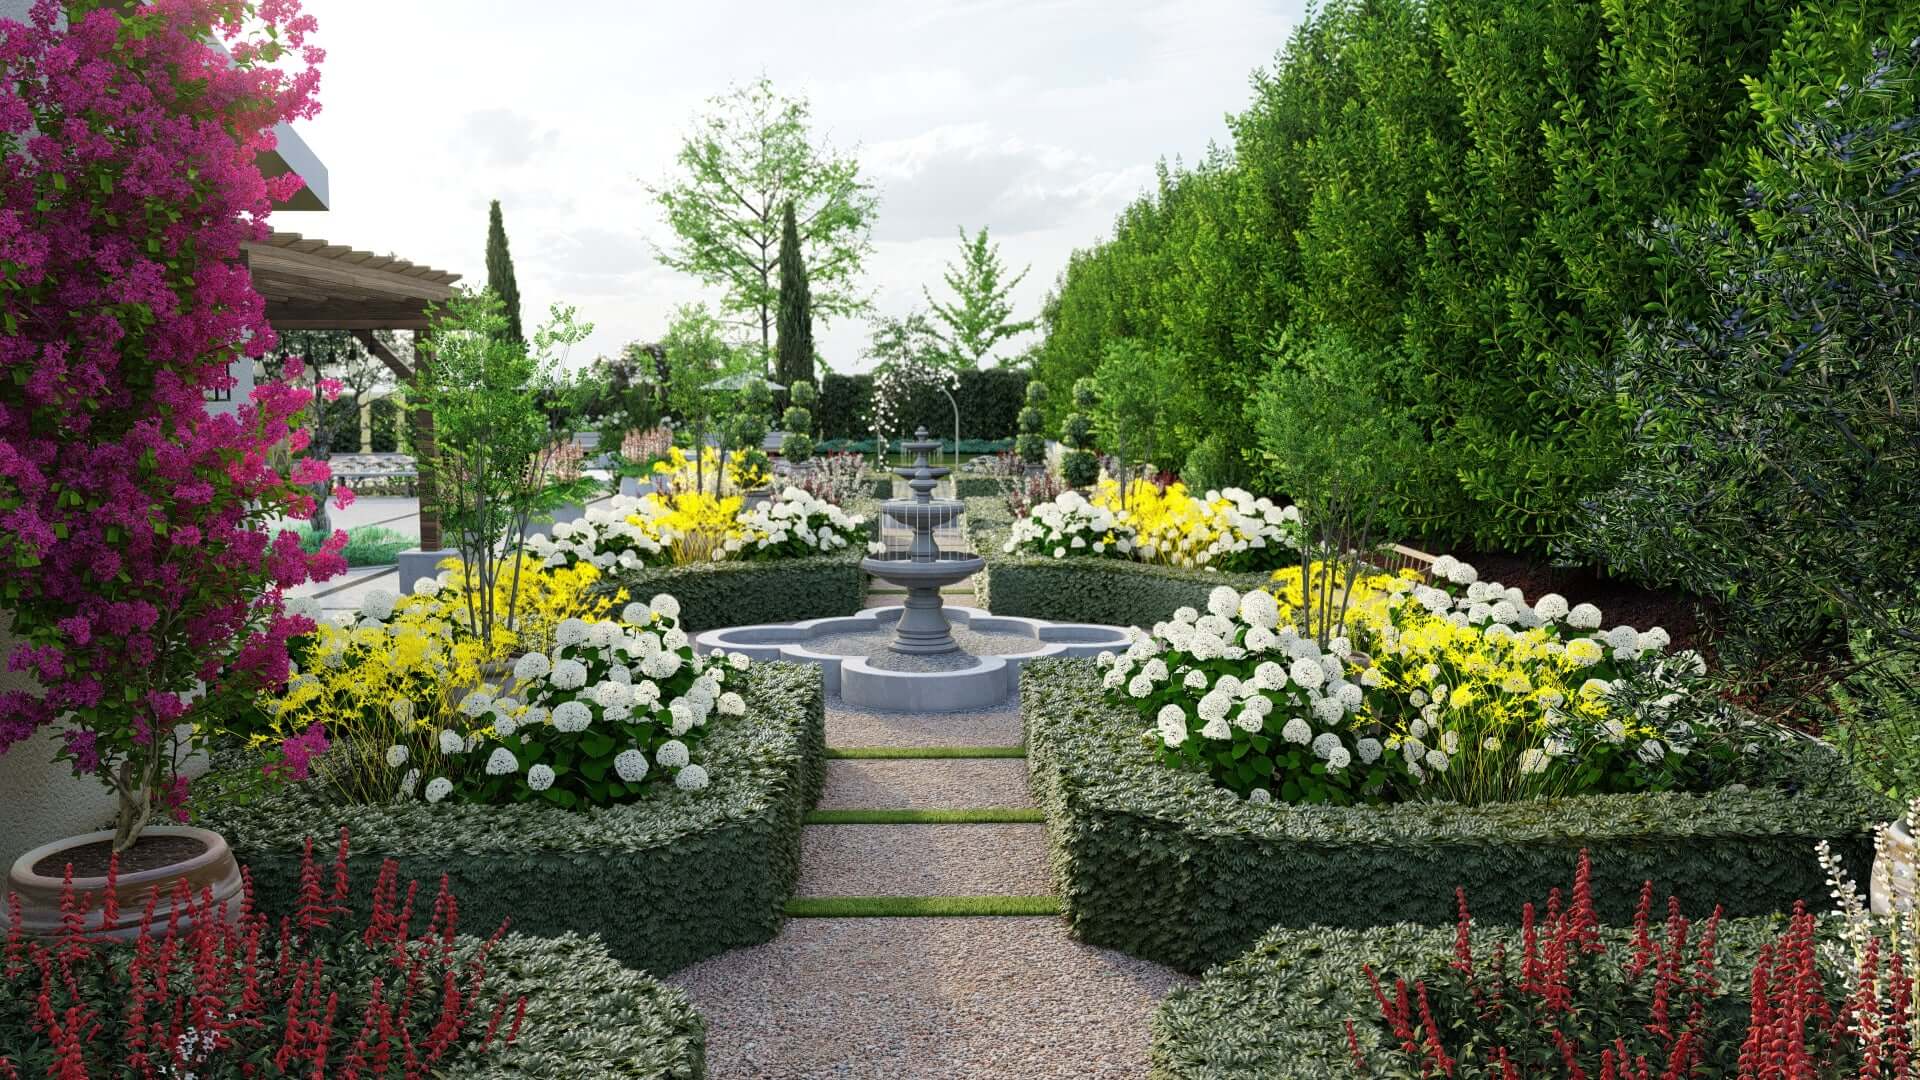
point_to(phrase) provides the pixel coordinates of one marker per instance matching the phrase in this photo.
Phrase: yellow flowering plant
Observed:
(1227, 530)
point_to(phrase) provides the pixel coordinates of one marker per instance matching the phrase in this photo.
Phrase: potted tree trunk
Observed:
(144, 556)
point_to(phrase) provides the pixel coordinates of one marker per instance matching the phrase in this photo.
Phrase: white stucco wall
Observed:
(40, 799)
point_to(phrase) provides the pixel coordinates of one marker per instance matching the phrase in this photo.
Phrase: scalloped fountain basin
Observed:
(853, 654)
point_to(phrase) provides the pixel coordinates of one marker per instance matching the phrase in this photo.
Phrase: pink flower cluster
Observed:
(134, 552)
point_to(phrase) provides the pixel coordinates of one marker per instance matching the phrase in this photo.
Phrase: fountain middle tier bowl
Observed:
(933, 514)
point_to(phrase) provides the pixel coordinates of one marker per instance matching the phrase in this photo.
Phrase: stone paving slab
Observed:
(925, 784)
(924, 860)
(848, 726)
(1009, 998)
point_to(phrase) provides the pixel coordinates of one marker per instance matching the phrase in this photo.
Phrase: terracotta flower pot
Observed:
(163, 856)
(1891, 886)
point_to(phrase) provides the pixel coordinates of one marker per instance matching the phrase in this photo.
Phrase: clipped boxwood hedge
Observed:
(1162, 864)
(588, 1016)
(717, 594)
(672, 879)
(1280, 1010)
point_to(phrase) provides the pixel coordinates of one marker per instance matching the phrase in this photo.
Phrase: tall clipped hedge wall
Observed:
(1280, 1010)
(664, 882)
(1162, 864)
(713, 595)
(989, 400)
(641, 1030)
(1448, 193)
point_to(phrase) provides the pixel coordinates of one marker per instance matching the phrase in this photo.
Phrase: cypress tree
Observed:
(500, 273)
(793, 362)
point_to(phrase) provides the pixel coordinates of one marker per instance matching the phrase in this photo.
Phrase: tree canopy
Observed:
(980, 315)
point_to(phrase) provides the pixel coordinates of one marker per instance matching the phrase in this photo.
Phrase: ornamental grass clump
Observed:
(205, 996)
(140, 559)
(1567, 999)
(613, 708)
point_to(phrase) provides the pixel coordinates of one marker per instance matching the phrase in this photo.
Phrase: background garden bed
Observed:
(665, 882)
(1162, 864)
(588, 1016)
(1280, 1009)
(713, 595)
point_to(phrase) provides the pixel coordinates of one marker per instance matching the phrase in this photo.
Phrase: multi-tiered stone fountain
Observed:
(923, 569)
(920, 656)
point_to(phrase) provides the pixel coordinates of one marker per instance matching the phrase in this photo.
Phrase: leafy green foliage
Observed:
(1166, 866)
(743, 593)
(989, 400)
(749, 157)
(664, 882)
(367, 545)
(1450, 184)
(1774, 448)
(980, 316)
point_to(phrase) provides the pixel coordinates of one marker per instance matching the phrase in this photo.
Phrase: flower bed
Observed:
(1131, 837)
(665, 881)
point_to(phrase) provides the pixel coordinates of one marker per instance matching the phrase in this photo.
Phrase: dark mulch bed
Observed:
(1619, 601)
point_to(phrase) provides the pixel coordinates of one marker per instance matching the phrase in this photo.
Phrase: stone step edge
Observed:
(893, 907)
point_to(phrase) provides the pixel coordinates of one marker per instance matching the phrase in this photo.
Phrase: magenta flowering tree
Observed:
(135, 553)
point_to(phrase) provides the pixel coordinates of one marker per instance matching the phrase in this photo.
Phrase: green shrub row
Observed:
(636, 1029)
(1166, 866)
(989, 401)
(1281, 1009)
(743, 593)
(667, 881)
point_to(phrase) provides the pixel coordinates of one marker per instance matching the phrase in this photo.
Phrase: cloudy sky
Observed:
(1037, 118)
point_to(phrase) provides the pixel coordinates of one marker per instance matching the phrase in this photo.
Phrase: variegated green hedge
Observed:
(672, 879)
(1164, 865)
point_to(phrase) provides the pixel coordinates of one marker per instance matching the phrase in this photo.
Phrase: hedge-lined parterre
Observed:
(717, 594)
(1112, 591)
(665, 881)
(1131, 837)
(1281, 1009)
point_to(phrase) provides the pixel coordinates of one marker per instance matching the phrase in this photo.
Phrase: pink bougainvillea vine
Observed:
(136, 555)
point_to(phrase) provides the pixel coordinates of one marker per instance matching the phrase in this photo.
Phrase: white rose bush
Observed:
(613, 708)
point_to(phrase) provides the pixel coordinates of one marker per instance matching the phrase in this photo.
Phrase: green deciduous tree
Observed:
(794, 362)
(752, 154)
(980, 316)
(699, 357)
(500, 277)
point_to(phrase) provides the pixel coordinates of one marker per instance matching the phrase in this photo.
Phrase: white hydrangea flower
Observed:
(636, 614)
(1584, 652)
(732, 704)
(1369, 750)
(661, 665)
(1461, 573)
(1551, 607)
(1140, 686)
(396, 755)
(1185, 615)
(1351, 695)
(1251, 719)
(630, 766)
(691, 778)
(1328, 710)
(1437, 761)
(476, 704)
(1533, 761)
(1653, 752)
(451, 742)
(409, 782)
(540, 777)
(532, 666)
(673, 638)
(739, 661)
(672, 754)
(1297, 730)
(571, 631)
(1217, 729)
(1172, 723)
(505, 726)
(568, 674)
(439, 788)
(610, 694)
(684, 717)
(378, 604)
(1307, 672)
(572, 717)
(501, 762)
(1260, 796)
(1584, 617)
(664, 605)
(1623, 637)
(1505, 612)
(1450, 741)
(1195, 680)
(1614, 731)
(1324, 744)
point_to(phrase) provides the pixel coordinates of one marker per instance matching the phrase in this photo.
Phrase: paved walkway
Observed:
(915, 998)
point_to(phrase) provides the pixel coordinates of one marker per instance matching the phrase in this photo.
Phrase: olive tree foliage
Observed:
(751, 154)
(980, 315)
(1773, 447)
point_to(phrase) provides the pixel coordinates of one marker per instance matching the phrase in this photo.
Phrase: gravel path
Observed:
(924, 860)
(926, 999)
(972, 642)
(856, 727)
(930, 784)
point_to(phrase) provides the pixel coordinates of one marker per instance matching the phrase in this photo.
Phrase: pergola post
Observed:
(425, 455)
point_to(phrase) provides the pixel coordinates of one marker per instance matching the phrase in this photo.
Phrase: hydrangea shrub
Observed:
(660, 530)
(135, 552)
(1229, 531)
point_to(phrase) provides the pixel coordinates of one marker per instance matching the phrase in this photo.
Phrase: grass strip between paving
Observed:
(870, 907)
(984, 816)
(861, 752)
